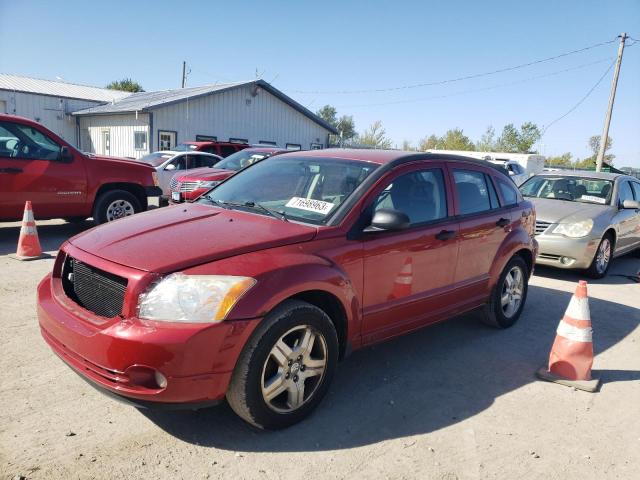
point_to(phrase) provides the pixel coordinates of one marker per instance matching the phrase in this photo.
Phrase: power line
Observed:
(580, 101)
(457, 79)
(476, 90)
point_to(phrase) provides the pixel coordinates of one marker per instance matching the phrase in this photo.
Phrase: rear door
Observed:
(484, 223)
(408, 273)
(628, 220)
(31, 169)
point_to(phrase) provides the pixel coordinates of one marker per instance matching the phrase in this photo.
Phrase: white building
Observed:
(253, 112)
(51, 102)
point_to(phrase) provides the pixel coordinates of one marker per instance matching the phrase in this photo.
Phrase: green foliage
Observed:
(487, 142)
(329, 114)
(512, 140)
(375, 136)
(126, 85)
(564, 160)
(453, 139)
(345, 124)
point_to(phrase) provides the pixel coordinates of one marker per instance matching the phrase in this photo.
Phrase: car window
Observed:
(242, 159)
(493, 196)
(420, 195)
(226, 150)
(203, 161)
(568, 188)
(471, 191)
(625, 192)
(25, 142)
(636, 190)
(508, 192)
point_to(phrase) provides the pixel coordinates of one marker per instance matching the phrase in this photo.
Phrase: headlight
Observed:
(207, 184)
(192, 298)
(575, 230)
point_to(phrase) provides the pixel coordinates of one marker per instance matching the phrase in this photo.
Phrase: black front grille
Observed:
(541, 226)
(98, 291)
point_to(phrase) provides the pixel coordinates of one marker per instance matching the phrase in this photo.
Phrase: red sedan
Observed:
(257, 290)
(189, 186)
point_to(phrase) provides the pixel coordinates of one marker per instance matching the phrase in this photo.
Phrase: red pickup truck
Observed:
(61, 182)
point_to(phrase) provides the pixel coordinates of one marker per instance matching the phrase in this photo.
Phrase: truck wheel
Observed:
(602, 258)
(509, 295)
(286, 366)
(115, 204)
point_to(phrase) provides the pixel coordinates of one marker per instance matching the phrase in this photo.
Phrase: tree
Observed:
(345, 124)
(126, 85)
(407, 146)
(513, 140)
(594, 145)
(564, 160)
(429, 143)
(487, 141)
(375, 136)
(455, 139)
(329, 114)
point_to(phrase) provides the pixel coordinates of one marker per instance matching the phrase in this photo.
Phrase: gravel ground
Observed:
(455, 401)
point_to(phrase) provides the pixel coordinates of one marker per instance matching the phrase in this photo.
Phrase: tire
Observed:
(114, 204)
(497, 314)
(596, 269)
(284, 324)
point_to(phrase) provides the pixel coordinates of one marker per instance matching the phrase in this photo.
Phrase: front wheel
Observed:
(115, 204)
(602, 258)
(286, 366)
(509, 295)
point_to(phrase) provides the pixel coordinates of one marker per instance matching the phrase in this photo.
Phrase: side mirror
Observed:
(170, 167)
(631, 205)
(65, 155)
(387, 219)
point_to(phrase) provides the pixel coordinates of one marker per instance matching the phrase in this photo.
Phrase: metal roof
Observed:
(54, 88)
(145, 101)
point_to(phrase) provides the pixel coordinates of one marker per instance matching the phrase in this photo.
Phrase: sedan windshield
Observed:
(241, 159)
(156, 159)
(574, 189)
(184, 147)
(298, 188)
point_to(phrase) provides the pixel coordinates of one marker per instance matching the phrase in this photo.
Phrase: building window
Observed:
(294, 146)
(140, 140)
(239, 140)
(267, 142)
(316, 146)
(206, 138)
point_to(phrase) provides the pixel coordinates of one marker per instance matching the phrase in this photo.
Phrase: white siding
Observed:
(52, 112)
(238, 114)
(120, 127)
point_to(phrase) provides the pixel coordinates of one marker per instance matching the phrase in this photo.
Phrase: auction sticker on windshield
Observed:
(592, 198)
(310, 205)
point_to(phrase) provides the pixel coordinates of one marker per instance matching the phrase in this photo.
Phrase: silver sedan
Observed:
(584, 219)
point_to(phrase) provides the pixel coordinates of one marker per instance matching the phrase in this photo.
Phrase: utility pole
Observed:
(184, 73)
(612, 97)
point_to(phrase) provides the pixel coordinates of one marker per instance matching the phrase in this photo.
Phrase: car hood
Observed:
(205, 173)
(563, 211)
(118, 161)
(181, 236)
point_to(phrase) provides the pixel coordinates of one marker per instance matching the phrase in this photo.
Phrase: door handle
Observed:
(10, 170)
(503, 222)
(445, 235)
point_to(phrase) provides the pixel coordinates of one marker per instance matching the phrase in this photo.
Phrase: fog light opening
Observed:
(567, 260)
(146, 377)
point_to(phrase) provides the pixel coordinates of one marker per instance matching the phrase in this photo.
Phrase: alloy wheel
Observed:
(603, 256)
(294, 369)
(512, 289)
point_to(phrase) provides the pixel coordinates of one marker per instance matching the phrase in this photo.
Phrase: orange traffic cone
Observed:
(28, 243)
(571, 355)
(402, 286)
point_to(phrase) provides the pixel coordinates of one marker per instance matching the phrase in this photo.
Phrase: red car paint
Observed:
(360, 274)
(188, 185)
(65, 188)
(222, 149)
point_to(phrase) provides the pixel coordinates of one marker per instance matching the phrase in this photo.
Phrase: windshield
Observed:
(156, 159)
(184, 147)
(242, 159)
(300, 188)
(573, 189)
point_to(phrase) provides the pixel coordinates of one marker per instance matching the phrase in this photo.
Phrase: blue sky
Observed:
(334, 46)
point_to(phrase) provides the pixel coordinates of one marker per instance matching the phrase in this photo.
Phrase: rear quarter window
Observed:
(509, 193)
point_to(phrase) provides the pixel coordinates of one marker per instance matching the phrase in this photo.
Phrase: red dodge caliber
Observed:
(256, 290)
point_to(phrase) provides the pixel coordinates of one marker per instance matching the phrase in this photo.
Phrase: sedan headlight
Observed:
(575, 230)
(207, 184)
(192, 298)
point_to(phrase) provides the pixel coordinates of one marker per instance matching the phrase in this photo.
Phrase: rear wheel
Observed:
(509, 295)
(286, 367)
(115, 204)
(602, 258)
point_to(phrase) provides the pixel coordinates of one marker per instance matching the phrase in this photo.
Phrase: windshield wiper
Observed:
(215, 202)
(281, 215)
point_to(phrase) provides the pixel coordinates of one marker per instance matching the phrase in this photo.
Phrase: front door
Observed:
(166, 140)
(627, 219)
(106, 142)
(408, 273)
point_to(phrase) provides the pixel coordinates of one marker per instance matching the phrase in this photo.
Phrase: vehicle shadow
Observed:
(622, 271)
(418, 383)
(51, 236)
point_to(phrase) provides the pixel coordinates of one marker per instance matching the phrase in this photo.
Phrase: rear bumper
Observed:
(197, 360)
(569, 253)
